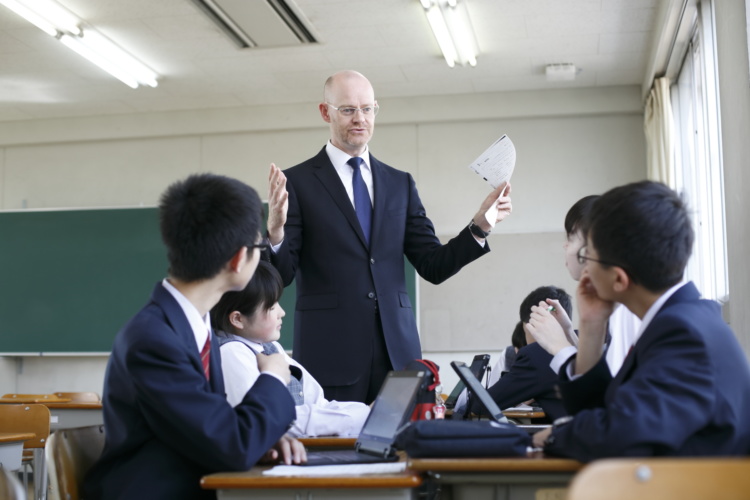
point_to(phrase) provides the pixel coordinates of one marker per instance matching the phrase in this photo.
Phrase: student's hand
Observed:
(495, 208)
(278, 204)
(287, 450)
(558, 312)
(593, 312)
(546, 330)
(276, 364)
(540, 437)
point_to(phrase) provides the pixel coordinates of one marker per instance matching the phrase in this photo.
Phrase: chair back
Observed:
(80, 397)
(662, 478)
(10, 487)
(71, 453)
(26, 418)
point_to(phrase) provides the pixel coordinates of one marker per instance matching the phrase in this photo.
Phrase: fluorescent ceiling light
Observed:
(449, 20)
(561, 72)
(74, 33)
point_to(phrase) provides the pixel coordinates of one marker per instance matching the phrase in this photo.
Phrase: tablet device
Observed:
(478, 391)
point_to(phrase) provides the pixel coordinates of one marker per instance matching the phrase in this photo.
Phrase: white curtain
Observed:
(659, 134)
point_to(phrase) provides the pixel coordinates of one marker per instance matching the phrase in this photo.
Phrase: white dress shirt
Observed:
(316, 417)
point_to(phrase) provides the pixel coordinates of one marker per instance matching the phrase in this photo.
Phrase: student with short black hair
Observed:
(530, 377)
(166, 418)
(250, 323)
(684, 389)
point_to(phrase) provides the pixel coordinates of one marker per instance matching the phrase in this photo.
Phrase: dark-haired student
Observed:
(559, 338)
(684, 389)
(248, 323)
(530, 376)
(166, 418)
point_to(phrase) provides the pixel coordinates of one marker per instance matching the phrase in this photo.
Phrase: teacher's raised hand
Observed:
(278, 204)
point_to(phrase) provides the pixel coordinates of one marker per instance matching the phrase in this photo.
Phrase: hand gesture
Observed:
(278, 204)
(546, 329)
(276, 364)
(287, 450)
(495, 208)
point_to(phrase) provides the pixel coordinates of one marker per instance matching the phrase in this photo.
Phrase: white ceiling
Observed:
(388, 40)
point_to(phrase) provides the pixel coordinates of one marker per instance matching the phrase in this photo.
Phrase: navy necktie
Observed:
(362, 203)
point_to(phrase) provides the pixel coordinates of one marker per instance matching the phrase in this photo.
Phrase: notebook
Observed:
(477, 391)
(390, 412)
(478, 368)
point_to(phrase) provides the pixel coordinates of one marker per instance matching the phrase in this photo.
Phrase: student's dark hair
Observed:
(645, 228)
(204, 220)
(262, 292)
(518, 338)
(544, 293)
(576, 216)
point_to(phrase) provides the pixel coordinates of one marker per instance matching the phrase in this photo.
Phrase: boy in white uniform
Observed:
(250, 323)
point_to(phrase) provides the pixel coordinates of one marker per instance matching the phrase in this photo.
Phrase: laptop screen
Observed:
(393, 406)
(478, 391)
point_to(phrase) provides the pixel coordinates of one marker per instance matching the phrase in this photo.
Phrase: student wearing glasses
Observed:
(684, 388)
(340, 224)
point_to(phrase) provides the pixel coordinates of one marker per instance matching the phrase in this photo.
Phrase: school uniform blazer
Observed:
(165, 424)
(683, 390)
(340, 281)
(529, 377)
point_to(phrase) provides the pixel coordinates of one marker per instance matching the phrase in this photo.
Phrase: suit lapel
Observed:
(379, 185)
(329, 178)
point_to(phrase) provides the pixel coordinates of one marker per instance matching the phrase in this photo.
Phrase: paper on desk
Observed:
(497, 162)
(336, 470)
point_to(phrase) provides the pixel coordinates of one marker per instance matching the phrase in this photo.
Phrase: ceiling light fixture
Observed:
(449, 20)
(560, 72)
(71, 31)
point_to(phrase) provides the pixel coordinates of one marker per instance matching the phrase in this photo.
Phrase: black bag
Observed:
(462, 438)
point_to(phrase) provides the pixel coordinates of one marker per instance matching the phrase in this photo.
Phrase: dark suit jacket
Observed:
(340, 281)
(165, 424)
(683, 390)
(529, 377)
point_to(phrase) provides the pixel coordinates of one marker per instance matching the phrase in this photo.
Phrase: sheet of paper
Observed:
(336, 470)
(497, 162)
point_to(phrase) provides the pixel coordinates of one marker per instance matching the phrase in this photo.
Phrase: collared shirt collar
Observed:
(655, 307)
(339, 158)
(201, 325)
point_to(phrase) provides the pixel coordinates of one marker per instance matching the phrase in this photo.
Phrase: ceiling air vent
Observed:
(259, 23)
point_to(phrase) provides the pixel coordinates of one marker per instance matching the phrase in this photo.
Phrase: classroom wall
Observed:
(570, 143)
(734, 88)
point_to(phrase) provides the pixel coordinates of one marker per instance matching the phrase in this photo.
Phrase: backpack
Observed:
(429, 402)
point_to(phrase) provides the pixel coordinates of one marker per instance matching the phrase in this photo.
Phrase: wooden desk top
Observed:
(34, 400)
(71, 405)
(524, 414)
(328, 442)
(13, 437)
(534, 462)
(254, 479)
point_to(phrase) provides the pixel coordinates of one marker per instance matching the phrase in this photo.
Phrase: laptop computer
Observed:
(478, 368)
(390, 412)
(477, 391)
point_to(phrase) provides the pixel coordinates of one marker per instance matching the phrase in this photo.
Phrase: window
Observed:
(695, 105)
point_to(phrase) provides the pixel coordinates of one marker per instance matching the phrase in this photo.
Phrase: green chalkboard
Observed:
(70, 279)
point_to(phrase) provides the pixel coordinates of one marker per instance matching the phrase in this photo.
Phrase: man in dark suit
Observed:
(684, 388)
(166, 417)
(341, 224)
(530, 376)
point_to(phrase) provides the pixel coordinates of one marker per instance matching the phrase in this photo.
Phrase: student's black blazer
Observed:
(340, 281)
(165, 424)
(683, 390)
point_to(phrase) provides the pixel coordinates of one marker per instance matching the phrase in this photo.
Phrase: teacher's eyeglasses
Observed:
(351, 111)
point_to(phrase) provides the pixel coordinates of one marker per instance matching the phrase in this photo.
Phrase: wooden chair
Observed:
(80, 397)
(663, 478)
(70, 453)
(30, 418)
(10, 487)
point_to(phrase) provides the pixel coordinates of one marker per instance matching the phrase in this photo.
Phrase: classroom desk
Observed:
(72, 415)
(34, 400)
(253, 485)
(11, 448)
(527, 414)
(534, 477)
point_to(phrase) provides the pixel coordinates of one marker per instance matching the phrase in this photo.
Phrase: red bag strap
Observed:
(435, 372)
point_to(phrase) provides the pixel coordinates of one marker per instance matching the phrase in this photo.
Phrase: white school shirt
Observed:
(201, 325)
(316, 417)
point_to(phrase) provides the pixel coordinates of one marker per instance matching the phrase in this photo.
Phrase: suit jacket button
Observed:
(371, 295)
(372, 261)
